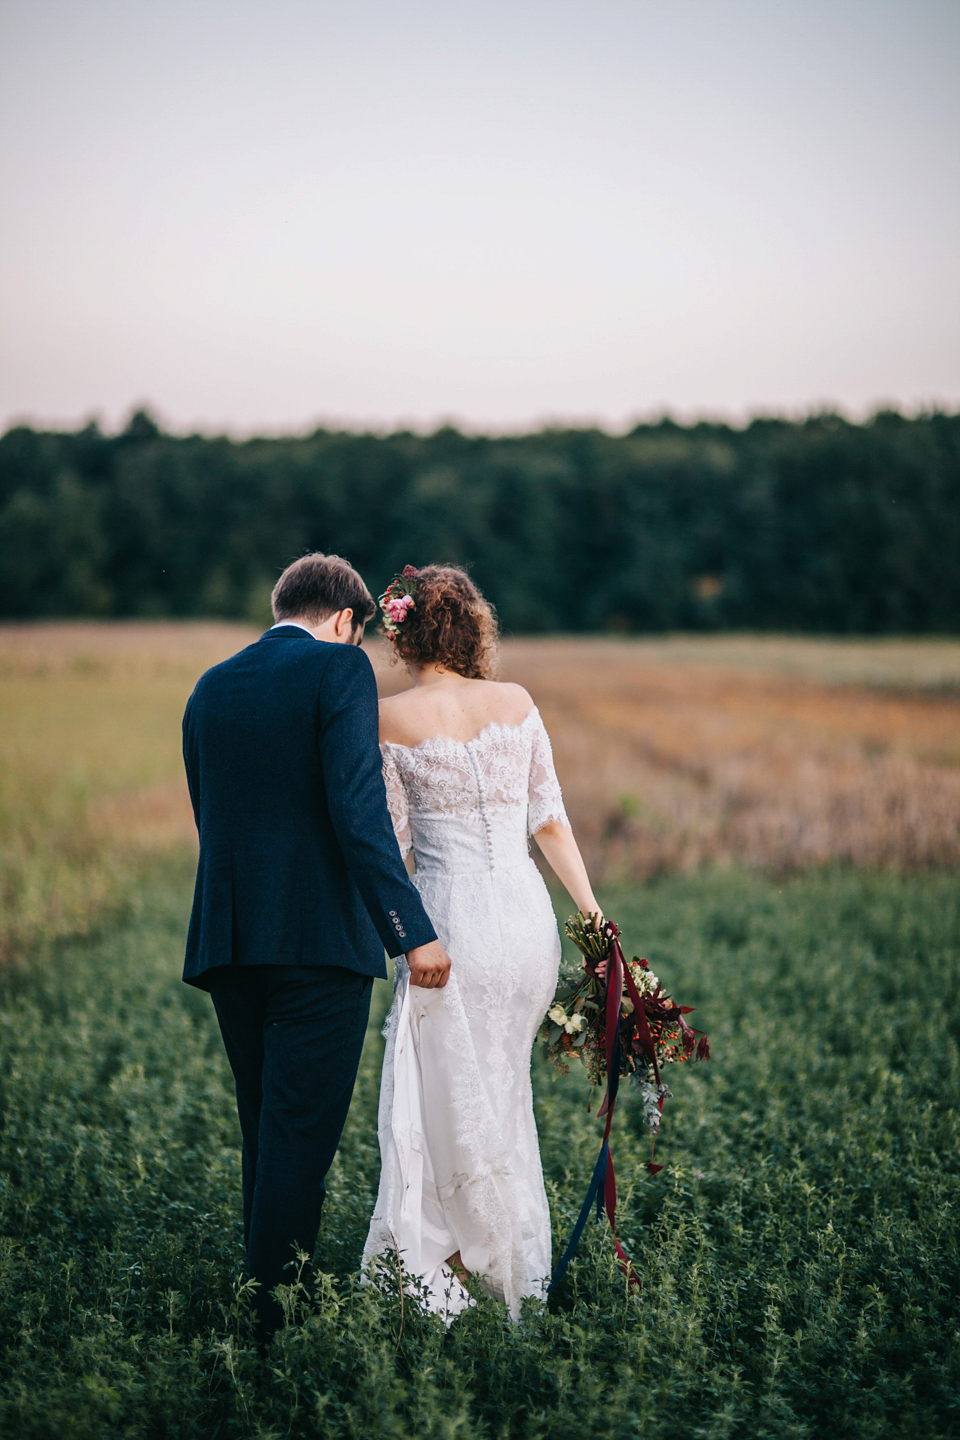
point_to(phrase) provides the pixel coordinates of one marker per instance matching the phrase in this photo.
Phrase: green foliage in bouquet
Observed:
(576, 1015)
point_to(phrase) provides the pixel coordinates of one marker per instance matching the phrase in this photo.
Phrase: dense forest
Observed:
(816, 525)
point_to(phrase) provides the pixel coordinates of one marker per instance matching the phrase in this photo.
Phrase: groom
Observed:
(300, 887)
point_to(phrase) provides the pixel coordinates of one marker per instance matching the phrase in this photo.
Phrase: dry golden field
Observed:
(91, 779)
(669, 763)
(673, 753)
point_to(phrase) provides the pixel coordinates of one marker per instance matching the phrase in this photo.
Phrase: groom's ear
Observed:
(345, 628)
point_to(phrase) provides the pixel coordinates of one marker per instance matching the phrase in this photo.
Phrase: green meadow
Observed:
(798, 1252)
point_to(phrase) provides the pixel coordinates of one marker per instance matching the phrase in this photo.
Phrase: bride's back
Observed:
(452, 706)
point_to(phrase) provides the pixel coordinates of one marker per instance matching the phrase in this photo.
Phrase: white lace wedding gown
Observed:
(460, 1161)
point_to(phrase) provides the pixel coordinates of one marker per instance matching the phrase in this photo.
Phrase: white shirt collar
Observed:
(293, 622)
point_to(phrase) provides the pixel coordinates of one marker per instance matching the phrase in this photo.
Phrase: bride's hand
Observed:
(601, 970)
(429, 966)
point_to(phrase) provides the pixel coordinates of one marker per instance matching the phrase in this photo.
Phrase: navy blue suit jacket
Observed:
(298, 860)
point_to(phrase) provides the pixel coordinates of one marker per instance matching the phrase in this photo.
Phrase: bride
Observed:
(469, 776)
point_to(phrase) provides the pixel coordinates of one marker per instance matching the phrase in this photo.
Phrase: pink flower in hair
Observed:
(396, 608)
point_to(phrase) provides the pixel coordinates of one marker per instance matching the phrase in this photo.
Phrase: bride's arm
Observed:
(562, 854)
(548, 824)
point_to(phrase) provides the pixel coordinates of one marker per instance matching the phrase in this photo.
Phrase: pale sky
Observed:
(263, 216)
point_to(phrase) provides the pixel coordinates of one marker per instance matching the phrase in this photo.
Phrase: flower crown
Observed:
(397, 600)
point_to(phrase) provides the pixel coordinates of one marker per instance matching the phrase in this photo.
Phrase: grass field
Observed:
(798, 1252)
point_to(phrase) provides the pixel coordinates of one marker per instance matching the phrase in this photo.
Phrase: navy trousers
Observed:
(293, 1036)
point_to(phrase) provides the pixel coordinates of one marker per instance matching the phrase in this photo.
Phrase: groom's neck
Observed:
(335, 629)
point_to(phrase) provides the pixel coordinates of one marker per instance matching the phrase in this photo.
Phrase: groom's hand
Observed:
(429, 966)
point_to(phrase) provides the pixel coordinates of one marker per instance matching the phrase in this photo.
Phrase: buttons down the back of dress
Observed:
(482, 802)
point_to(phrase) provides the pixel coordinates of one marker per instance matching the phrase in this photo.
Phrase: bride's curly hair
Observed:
(450, 623)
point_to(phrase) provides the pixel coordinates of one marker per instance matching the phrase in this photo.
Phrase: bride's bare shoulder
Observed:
(508, 703)
(399, 718)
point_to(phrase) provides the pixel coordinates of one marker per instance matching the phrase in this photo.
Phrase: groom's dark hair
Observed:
(318, 586)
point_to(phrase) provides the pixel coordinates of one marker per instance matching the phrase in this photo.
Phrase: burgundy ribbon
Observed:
(603, 1185)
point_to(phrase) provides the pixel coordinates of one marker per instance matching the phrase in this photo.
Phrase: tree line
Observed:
(816, 525)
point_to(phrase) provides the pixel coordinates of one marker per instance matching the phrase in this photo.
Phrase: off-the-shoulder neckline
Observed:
(451, 740)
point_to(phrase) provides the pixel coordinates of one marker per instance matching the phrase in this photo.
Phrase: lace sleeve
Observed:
(544, 799)
(397, 800)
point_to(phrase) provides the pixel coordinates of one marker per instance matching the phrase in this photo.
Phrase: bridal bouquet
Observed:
(619, 1024)
(653, 1030)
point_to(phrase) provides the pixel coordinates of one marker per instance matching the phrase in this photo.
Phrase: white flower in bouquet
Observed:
(644, 978)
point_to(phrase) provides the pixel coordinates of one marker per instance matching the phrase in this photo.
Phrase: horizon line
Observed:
(658, 417)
